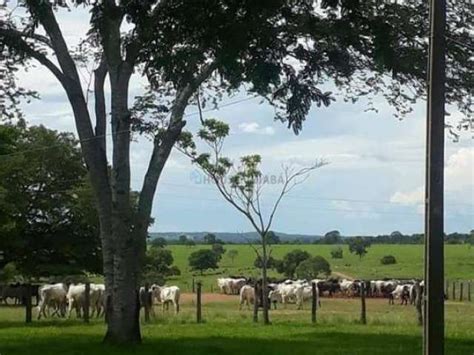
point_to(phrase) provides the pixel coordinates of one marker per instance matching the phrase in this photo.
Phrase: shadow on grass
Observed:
(56, 322)
(304, 343)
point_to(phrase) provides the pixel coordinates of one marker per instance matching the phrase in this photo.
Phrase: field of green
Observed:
(226, 330)
(459, 262)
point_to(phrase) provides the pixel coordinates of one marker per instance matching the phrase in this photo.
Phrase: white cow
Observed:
(52, 296)
(236, 285)
(287, 293)
(224, 285)
(401, 292)
(97, 299)
(305, 293)
(247, 296)
(347, 286)
(76, 297)
(297, 292)
(166, 295)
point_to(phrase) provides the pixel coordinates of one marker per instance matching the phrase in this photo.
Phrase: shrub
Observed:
(337, 253)
(388, 260)
(312, 268)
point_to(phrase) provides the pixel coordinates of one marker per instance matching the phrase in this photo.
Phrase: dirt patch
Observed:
(208, 298)
(341, 275)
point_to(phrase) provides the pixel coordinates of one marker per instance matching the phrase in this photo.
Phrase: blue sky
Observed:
(372, 184)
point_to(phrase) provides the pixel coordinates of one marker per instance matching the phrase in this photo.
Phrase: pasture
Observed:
(226, 330)
(459, 262)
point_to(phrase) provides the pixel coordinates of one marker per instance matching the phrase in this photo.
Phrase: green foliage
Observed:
(190, 242)
(337, 253)
(332, 237)
(388, 260)
(48, 220)
(9, 273)
(182, 239)
(272, 238)
(219, 250)
(363, 48)
(210, 238)
(159, 261)
(312, 268)
(470, 239)
(232, 254)
(203, 259)
(271, 262)
(159, 242)
(290, 262)
(358, 246)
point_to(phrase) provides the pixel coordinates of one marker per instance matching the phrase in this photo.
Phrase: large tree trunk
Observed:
(123, 317)
(123, 321)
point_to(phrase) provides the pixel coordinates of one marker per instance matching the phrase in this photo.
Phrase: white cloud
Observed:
(459, 181)
(413, 197)
(254, 127)
(355, 211)
(459, 170)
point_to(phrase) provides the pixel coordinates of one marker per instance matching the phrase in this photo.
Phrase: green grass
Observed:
(459, 262)
(390, 330)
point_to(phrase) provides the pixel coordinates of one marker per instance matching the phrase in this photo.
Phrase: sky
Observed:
(373, 182)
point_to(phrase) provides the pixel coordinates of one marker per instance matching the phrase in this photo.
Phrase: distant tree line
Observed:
(396, 237)
(332, 237)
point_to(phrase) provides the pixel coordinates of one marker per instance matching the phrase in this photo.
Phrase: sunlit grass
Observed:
(226, 330)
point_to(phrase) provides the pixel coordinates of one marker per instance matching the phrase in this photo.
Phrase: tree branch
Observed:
(100, 111)
(14, 39)
(164, 144)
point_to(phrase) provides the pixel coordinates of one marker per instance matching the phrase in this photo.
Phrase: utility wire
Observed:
(125, 131)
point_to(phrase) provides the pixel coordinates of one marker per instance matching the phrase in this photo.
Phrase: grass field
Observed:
(390, 330)
(459, 262)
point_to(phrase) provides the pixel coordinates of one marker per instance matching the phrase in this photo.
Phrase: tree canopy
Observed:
(290, 262)
(313, 268)
(203, 259)
(49, 225)
(359, 246)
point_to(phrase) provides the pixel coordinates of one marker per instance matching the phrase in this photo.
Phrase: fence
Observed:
(455, 290)
(459, 290)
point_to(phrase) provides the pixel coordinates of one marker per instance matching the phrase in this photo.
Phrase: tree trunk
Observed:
(123, 323)
(266, 319)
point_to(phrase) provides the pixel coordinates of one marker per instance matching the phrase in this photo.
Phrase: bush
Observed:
(258, 263)
(337, 253)
(290, 262)
(312, 268)
(174, 271)
(388, 260)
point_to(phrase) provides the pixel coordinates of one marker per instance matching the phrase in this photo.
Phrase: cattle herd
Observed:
(61, 299)
(299, 291)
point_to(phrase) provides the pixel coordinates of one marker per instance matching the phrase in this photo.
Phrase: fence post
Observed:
(194, 290)
(87, 302)
(454, 290)
(256, 298)
(212, 288)
(198, 303)
(419, 310)
(314, 297)
(447, 288)
(469, 291)
(28, 316)
(146, 304)
(363, 313)
(461, 291)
